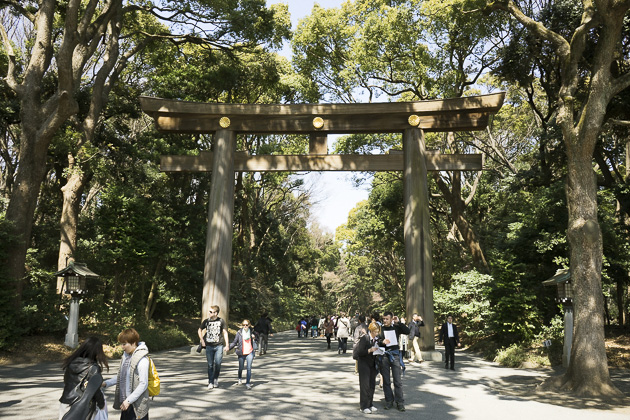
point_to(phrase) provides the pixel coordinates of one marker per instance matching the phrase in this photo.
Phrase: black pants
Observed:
(130, 414)
(328, 337)
(264, 340)
(449, 347)
(367, 381)
(343, 344)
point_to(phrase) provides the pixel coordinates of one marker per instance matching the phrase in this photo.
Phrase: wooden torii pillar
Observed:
(412, 119)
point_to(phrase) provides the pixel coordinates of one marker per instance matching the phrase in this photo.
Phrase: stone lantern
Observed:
(562, 281)
(75, 277)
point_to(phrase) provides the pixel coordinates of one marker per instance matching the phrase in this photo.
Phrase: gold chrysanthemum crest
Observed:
(318, 122)
(224, 122)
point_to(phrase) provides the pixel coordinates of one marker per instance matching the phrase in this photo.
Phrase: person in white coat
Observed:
(343, 332)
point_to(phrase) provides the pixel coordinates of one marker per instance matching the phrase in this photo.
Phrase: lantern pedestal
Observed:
(72, 337)
(568, 334)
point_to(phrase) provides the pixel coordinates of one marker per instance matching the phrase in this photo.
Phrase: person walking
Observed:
(320, 325)
(450, 336)
(82, 381)
(360, 330)
(132, 381)
(343, 332)
(363, 352)
(329, 328)
(213, 335)
(264, 331)
(245, 343)
(390, 362)
(314, 322)
(414, 338)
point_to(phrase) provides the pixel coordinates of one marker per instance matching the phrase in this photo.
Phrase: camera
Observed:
(199, 347)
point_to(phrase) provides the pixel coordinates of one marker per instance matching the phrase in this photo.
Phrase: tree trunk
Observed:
(151, 301)
(588, 367)
(37, 133)
(70, 211)
(457, 206)
(619, 298)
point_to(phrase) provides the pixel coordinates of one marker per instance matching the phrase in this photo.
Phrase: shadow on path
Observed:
(300, 379)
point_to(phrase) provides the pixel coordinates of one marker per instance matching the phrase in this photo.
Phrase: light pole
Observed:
(75, 279)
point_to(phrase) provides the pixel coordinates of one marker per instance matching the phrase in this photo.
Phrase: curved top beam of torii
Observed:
(457, 114)
(319, 120)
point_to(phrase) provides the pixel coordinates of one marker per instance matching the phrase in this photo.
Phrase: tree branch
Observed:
(563, 47)
(11, 78)
(19, 8)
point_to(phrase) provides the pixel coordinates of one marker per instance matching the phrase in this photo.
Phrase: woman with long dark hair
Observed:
(82, 381)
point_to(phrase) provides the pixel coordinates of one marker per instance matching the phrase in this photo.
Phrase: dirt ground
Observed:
(38, 349)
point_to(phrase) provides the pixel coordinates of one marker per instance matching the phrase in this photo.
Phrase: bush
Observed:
(554, 332)
(513, 356)
(467, 300)
(157, 335)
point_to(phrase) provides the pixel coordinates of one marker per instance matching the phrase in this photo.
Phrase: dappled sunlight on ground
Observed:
(301, 379)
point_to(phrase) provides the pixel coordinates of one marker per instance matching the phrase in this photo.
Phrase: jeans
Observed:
(241, 360)
(393, 365)
(214, 356)
(343, 344)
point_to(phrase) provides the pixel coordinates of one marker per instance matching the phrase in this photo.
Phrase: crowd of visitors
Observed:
(380, 344)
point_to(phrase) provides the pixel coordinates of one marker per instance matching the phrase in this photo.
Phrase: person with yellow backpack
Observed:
(132, 382)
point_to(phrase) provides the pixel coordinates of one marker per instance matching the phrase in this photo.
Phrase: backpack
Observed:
(154, 379)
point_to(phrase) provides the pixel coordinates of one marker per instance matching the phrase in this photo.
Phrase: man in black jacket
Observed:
(450, 336)
(414, 338)
(390, 331)
(263, 328)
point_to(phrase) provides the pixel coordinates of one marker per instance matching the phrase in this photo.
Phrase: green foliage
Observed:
(8, 312)
(468, 301)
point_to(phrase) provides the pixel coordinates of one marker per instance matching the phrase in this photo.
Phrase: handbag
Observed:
(101, 414)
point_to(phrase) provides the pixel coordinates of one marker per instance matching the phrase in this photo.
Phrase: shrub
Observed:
(467, 300)
(513, 356)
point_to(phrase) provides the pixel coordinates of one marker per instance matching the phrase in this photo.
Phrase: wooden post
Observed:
(418, 267)
(218, 257)
(318, 144)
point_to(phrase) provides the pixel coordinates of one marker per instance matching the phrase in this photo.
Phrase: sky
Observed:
(334, 193)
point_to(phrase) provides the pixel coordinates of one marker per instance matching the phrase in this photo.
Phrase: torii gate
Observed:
(412, 119)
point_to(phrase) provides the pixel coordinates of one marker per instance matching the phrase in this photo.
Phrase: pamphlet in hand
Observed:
(379, 350)
(391, 336)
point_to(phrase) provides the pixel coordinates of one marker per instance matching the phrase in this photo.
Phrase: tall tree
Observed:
(593, 65)
(61, 54)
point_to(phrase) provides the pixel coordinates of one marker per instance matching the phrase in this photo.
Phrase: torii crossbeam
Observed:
(411, 119)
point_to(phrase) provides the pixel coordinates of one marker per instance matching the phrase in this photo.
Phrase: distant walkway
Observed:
(300, 379)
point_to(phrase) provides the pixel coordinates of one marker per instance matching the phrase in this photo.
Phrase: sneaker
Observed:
(248, 386)
(216, 383)
(366, 411)
(240, 381)
(400, 407)
(388, 405)
(374, 409)
(210, 387)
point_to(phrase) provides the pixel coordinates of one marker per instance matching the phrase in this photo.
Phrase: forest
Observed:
(80, 175)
